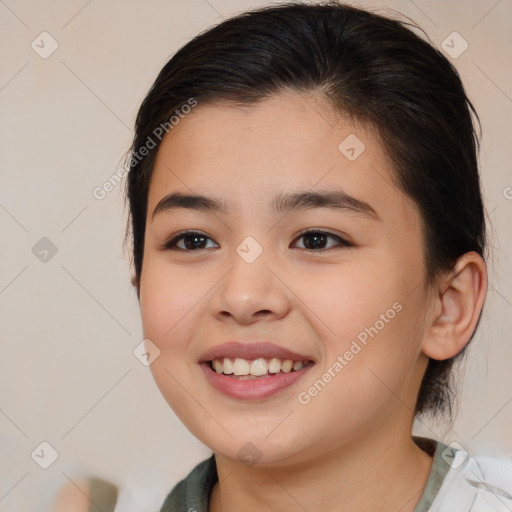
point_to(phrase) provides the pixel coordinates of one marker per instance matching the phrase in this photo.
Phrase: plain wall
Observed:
(69, 325)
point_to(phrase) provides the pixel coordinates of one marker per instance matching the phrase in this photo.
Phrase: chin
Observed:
(256, 451)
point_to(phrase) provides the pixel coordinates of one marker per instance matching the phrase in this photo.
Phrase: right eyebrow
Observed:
(333, 199)
(282, 203)
(189, 201)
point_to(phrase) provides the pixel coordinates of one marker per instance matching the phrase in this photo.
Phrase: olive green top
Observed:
(193, 492)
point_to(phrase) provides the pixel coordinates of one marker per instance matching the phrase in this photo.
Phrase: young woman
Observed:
(308, 244)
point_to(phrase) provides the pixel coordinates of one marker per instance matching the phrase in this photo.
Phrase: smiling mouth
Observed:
(245, 369)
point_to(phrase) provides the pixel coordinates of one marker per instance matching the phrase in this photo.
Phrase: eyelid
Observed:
(344, 241)
(170, 242)
(324, 231)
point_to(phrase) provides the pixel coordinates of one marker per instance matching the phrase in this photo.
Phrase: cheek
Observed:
(166, 297)
(172, 304)
(364, 376)
(345, 298)
(167, 301)
(372, 323)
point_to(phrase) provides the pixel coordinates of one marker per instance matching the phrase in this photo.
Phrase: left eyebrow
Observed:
(282, 203)
(178, 200)
(334, 199)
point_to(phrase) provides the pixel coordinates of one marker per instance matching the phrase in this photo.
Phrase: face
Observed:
(334, 280)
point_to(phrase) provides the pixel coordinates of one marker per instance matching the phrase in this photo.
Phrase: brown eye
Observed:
(314, 240)
(192, 241)
(317, 240)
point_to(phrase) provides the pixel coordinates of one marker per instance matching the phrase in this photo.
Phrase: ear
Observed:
(457, 304)
(136, 284)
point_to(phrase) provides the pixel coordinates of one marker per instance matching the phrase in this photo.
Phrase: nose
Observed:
(250, 291)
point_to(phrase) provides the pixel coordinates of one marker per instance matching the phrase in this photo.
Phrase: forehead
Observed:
(288, 142)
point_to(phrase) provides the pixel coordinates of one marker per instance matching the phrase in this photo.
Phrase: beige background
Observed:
(69, 325)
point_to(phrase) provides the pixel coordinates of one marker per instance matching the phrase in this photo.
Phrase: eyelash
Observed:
(171, 243)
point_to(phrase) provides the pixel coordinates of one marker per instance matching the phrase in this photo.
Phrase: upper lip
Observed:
(252, 350)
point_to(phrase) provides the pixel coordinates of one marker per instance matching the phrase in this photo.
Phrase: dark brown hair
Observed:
(370, 67)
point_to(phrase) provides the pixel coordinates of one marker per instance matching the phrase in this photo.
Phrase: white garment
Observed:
(471, 484)
(475, 484)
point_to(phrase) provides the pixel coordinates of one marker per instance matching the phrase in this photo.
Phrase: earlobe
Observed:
(136, 284)
(457, 308)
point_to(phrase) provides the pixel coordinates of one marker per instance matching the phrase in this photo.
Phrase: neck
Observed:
(385, 473)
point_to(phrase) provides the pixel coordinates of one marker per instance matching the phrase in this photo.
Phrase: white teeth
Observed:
(287, 365)
(274, 365)
(297, 365)
(241, 366)
(255, 368)
(217, 365)
(227, 366)
(258, 367)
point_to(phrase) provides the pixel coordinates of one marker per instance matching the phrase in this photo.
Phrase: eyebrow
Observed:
(282, 203)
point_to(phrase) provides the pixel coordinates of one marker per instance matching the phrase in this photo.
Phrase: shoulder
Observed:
(474, 483)
(193, 492)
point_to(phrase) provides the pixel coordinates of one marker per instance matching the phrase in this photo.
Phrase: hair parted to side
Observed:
(369, 67)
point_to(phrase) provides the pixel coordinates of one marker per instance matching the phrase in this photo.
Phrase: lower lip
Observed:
(252, 389)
